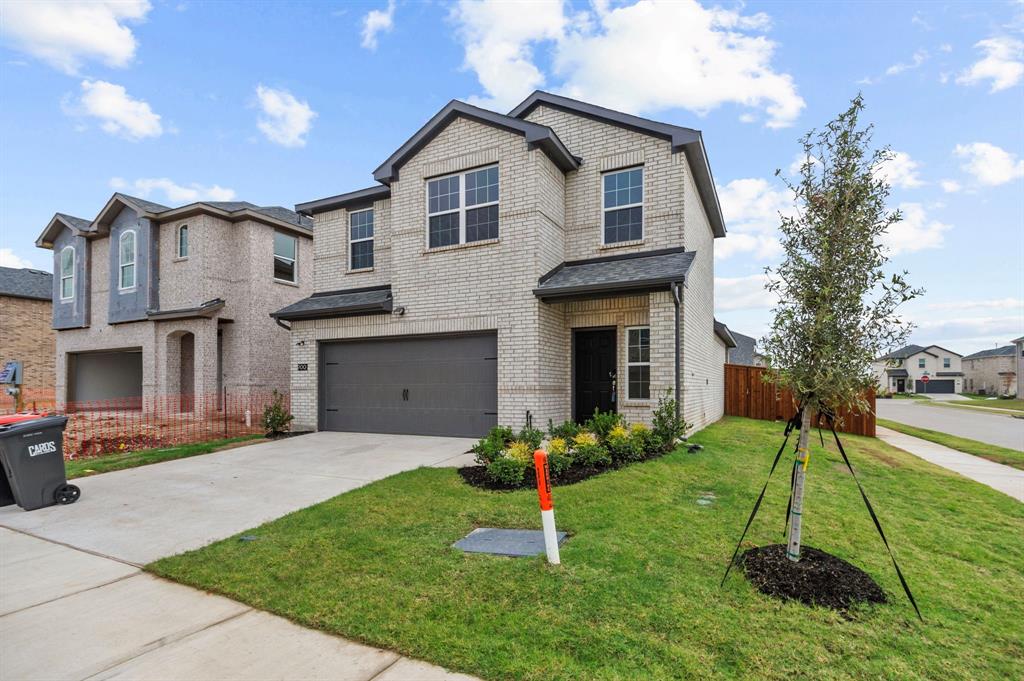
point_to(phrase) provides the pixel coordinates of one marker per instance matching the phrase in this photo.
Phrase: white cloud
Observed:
(172, 191)
(988, 164)
(900, 171)
(8, 258)
(743, 293)
(285, 120)
(1003, 64)
(798, 162)
(377, 21)
(915, 232)
(979, 305)
(950, 186)
(65, 34)
(919, 58)
(121, 114)
(648, 56)
(752, 209)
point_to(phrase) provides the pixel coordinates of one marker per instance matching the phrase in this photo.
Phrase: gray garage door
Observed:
(934, 386)
(420, 386)
(97, 378)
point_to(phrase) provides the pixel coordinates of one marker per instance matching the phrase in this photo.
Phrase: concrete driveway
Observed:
(142, 514)
(947, 397)
(75, 605)
(995, 429)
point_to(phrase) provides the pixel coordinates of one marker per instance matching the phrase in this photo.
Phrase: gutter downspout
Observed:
(286, 327)
(677, 298)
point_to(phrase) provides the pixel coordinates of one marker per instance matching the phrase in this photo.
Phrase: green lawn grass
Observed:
(1004, 455)
(637, 595)
(997, 403)
(80, 468)
(908, 396)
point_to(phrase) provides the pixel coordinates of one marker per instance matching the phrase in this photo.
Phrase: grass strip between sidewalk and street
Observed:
(637, 595)
(80, 468)
(1003, 455)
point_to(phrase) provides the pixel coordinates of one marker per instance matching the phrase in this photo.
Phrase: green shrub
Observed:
(493, 445)
(559, 463)
(622, 446)
(557, 447)
(504, 434)
(566, 431)
(587, 453)
(643, 438)
(531, 436)
(276, 418)
(520, 451)
(506, 471)
(583, 439)
(601, 423)
(667, 428)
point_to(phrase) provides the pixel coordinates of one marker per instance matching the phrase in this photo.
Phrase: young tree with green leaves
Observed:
(837, 306)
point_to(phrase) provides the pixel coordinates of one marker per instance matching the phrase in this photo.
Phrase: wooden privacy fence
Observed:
(747, 394)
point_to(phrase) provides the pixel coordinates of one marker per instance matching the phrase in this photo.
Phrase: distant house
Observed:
(992, 372)
(904, 370)
(745, 351)
(25, 333)
(1018, 343)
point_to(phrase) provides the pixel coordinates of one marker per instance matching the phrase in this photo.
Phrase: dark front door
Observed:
(901, 385)
(594, 371)
(416, 386)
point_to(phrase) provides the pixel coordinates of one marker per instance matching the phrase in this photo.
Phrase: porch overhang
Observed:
(897, 373)
(629, 274)
(204, 311)
(345, 303)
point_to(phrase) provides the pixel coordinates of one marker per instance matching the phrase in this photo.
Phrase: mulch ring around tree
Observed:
(818, 578)
(477, 475)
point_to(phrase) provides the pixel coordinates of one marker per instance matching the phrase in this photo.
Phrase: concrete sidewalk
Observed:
(68, 614)
(1005, 479)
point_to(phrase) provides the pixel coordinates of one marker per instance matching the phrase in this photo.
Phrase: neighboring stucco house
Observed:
(151, 301)
(991, 372)
(512, 269)
(25, 332)
(745, 351)
(1018, 343)
(902, 370)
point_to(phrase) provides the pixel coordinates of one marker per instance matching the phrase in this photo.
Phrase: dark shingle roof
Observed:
(359, 301)
(230, 206)
(148, 206)
(285, 215)
(1005, 351)
(898, 373)
(904, 352)
(723, 332)
(356, 198)
(78, 223)
(636, 272)
(26, 283)
(744, 351)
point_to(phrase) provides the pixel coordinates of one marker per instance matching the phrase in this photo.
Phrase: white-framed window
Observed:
(462, 208)
(623, 205)
(638, 363)
(285, 257)
(126, 260)
(945, 362)
(360, 239)
(182, 241)
(67, 273)
(920, 363)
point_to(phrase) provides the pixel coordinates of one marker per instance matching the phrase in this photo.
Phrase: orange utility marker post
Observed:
(547, 507)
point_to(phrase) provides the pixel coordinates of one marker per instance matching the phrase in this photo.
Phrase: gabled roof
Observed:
(630, 273)
(898, 373)
(1004, 351)
(686, 139)
(234, 211)
(722, 331)
(539, 136)
(25, 283)
(356, 301)
(905, 352)
(745, 350)
(359, 197)
(943, 349)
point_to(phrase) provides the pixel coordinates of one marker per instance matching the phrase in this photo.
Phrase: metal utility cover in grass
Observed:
(501, 542)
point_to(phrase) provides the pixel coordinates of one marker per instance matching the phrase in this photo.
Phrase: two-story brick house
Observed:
(512, 268)
(991, 372)
(151, 301)
(903, 370)
(25, 333)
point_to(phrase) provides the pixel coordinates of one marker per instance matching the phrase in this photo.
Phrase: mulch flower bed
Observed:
(477, 475)
(818, 578)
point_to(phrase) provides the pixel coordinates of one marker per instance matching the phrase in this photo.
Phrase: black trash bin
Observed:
(32, 454)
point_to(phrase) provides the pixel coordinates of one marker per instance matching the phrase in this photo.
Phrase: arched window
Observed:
(127, 260)
(67, 273)
(183, 241)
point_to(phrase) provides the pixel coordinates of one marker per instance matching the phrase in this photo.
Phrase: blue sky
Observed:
(278, 103)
